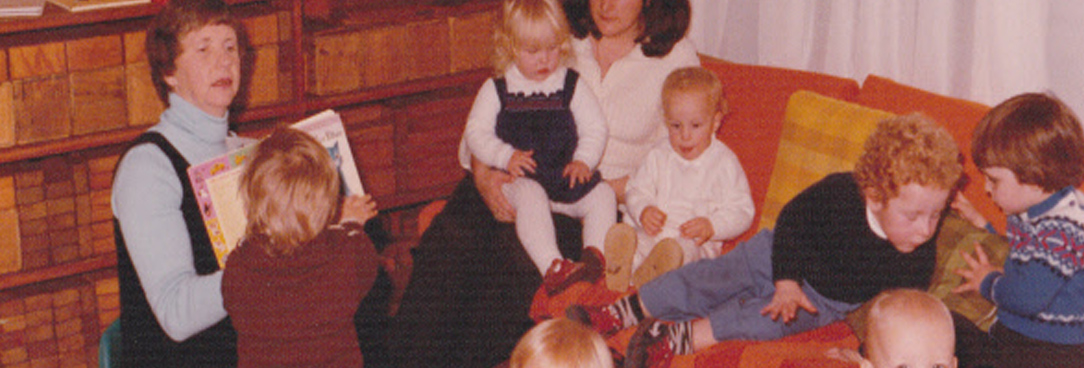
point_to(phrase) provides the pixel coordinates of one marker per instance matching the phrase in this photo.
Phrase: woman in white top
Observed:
(473, 283)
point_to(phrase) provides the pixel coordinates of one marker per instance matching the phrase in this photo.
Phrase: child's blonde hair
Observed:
(561, 343)
(1035, 136)
(909, 149)
(905, 302)
(907, 308)
(523, 24)
(695, 79)
(290, 190)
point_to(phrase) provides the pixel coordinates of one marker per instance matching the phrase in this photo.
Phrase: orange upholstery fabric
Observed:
(757, 96)
(804, 349)
(958, 116)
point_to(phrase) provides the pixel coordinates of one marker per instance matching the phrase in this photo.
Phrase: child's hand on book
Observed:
(978, 267)
(577, 172)
(358, 209)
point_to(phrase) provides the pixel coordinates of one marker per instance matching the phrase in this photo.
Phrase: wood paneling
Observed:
(37, 60)
(98, 100)
(38, 115)
(94, 53)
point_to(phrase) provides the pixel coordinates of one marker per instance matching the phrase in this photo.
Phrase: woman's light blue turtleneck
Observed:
(198, 135)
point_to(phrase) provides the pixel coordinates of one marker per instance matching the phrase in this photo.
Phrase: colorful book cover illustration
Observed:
(216, 181)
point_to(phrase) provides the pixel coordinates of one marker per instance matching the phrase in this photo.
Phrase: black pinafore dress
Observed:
(544, 124)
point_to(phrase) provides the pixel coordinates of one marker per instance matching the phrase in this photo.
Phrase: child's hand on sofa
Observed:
(786, 301)
(698, 229)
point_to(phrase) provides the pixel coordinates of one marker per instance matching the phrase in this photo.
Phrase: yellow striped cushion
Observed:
(820, 136)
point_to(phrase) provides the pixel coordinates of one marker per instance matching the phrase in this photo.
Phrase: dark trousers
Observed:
(1017, 350)
(472, 286)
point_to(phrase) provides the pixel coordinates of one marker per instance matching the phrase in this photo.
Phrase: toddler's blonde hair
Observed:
(695, 79)
(524, 23)
(290, 190)
(561, 343)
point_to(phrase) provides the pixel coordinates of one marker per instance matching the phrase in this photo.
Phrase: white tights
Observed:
(534, 221)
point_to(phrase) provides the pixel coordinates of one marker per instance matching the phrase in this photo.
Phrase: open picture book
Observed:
(216, 181)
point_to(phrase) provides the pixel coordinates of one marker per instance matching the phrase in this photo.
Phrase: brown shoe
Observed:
(649, 347)
(563, 273)
(666, 256)
(620, 247)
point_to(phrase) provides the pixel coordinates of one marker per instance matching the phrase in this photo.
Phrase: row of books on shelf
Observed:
(35, 8)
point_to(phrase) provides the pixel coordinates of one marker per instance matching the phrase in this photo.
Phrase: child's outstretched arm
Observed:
(978, 268)
(358, 209)
(966, 210)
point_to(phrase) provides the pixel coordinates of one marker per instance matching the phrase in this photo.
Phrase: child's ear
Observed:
(718, 118)
(873, 205)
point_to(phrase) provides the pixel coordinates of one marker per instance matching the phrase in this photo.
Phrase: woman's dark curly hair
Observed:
(664, 23)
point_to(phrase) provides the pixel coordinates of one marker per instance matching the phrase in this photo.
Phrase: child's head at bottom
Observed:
(909, 328)
(290, 190)
(561, 343)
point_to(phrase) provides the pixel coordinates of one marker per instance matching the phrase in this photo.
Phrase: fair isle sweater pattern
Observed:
(1041, 292)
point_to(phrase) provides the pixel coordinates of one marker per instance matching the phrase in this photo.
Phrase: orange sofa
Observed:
(758, 97)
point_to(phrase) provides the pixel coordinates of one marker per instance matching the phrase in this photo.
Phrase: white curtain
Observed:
(984, 51)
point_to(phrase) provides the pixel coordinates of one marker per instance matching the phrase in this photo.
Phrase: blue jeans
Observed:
(730, 290)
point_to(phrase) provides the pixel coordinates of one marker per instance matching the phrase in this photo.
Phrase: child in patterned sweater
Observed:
(1030, 148)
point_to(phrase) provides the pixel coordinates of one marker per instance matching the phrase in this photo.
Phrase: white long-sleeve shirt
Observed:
(481, 131)
(713, 186)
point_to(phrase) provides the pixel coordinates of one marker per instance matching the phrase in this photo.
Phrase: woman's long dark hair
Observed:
(664, 23)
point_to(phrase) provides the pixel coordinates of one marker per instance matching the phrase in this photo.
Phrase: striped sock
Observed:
(681, 341)
(627, 310)
(678, 335)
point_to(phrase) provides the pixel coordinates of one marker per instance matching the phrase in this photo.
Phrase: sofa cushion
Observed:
(820, 136)
(958, 235)
(958, 116)
(757, 96)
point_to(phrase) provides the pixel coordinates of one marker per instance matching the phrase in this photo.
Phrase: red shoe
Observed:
(600, 319)
(563, 273)
(649, 347)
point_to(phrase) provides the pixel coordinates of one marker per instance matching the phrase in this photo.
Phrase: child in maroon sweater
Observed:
(293, 284)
